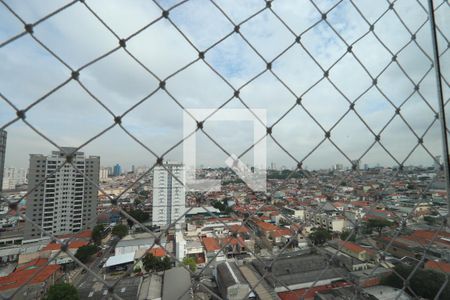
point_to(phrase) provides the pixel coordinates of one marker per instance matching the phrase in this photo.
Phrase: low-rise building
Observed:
(35, 277)
(213, 250)
(440, 266)
(177, 284)
(297, 272)
(133, 243)
(330, 221)
(232, 285)
(63, 258)
(296, 212)
(9, 254)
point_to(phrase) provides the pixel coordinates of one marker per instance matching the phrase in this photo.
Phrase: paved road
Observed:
(95, 265)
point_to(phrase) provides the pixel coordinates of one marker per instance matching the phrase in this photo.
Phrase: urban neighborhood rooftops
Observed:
(26, 272)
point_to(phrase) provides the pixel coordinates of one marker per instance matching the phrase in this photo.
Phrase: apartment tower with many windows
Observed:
(67, 201)
(169, 202)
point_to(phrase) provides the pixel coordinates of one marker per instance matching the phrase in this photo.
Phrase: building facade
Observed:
(67, 201)
(13, 177)
(117, 170)
(104, 173)
(169, 202)
(2, 156)
(331, 221)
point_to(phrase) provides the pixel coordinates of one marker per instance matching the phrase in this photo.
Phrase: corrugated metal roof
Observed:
(119, 259)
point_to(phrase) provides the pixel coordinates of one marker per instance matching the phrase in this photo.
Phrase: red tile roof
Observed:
(266, 226)
(85, 234)
(438, 266)
(211, 244)
(32, 264)
(360, 203)
(233, 241)
(281, 232)
(57, 246)
(239, 229)
(268, 208)
(21, 275)
(158, 252)
(310, 292)
(429, 234)
(355, 248)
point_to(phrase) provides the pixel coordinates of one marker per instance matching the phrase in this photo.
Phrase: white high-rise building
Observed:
(13, 177)
(169, 202)
(67, 201)
(338, 167)
(104, 173)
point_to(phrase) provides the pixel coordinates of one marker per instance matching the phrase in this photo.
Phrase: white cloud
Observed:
(70, 116)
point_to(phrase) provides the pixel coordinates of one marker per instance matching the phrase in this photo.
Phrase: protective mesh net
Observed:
(320, 68)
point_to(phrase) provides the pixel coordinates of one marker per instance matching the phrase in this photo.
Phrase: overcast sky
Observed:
(70, 116)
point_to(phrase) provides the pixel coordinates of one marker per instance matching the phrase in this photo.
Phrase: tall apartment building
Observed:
(104, 173)
(67, 201)
(169, 202)
(12, 177)
(2, 155)
(117, 170)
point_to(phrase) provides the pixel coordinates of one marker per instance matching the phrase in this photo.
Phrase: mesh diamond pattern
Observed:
(331, 62)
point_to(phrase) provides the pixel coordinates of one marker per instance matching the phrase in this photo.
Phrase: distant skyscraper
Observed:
(13, 177)
(117, 170)
(169, 202)
(338, 167)
(133, 169)
(2, 156)
(67, 201)
(104, 173)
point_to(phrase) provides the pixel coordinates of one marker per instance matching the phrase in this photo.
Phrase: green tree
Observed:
(424, 283)
(140, 215)
(378, 224)
(229, 210)
(166, 263)
(120, 230)
(153, 263)
(97, 234)
(190, 262)
(430, 220)
(62, 291)
(219, 205)
(84, 252)
(345, 234)
(149, 262)
(319, 236)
